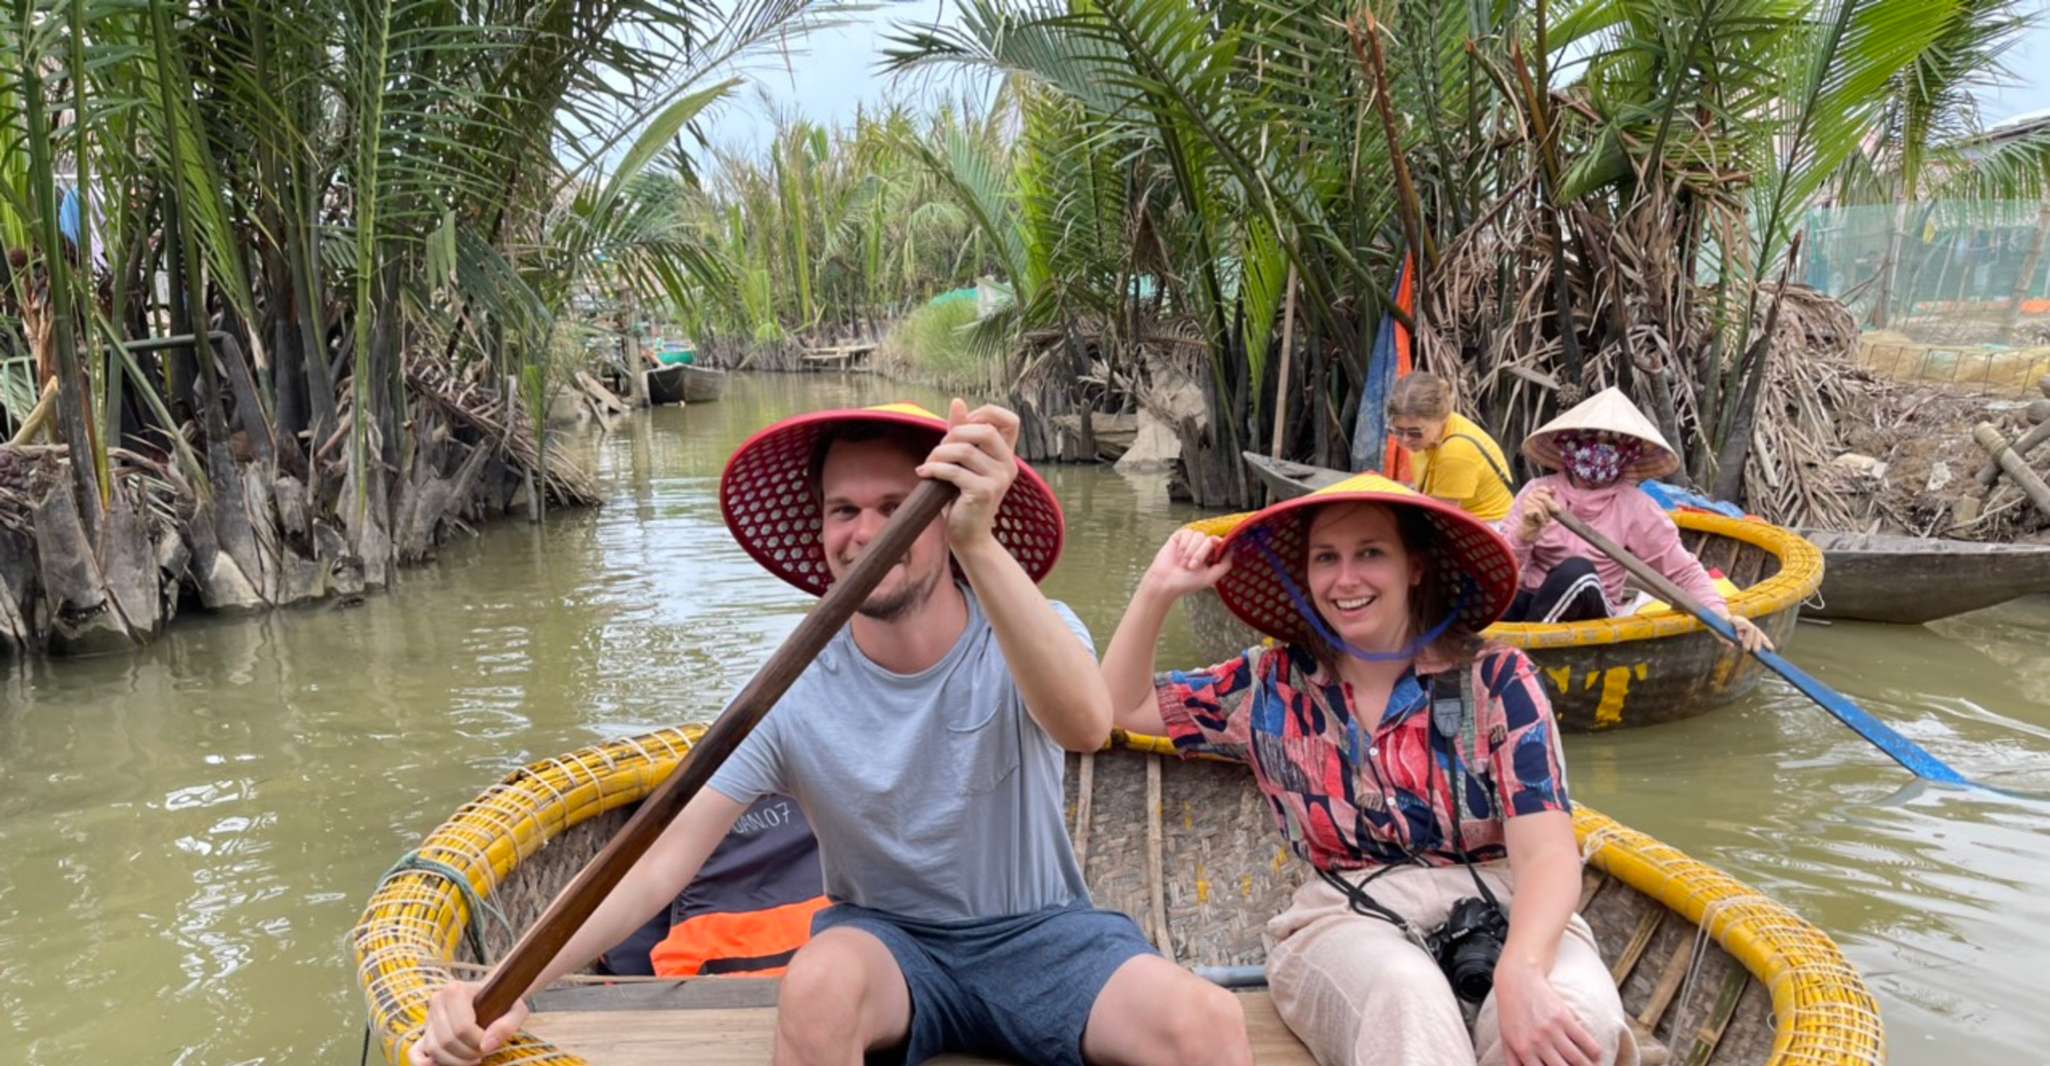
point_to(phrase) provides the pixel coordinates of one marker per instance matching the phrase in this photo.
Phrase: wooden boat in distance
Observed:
(1711, 971)
(1286, 480)
(665, 384)
(1638, 669)
(702, 384)
(1881, 577)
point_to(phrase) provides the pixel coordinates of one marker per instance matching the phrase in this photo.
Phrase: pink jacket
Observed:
(1623, 513)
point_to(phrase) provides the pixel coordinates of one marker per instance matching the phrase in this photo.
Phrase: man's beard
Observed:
(912, 595)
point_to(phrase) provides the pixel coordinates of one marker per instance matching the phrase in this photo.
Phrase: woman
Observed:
(1377, 698)
(1454, 459)
(1599, 452)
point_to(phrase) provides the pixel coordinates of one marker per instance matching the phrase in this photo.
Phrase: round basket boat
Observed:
(1634, 670)
(1710, 970)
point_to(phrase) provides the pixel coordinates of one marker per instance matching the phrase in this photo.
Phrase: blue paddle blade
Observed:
(1902, 750)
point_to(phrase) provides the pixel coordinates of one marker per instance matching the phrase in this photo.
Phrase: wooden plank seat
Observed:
(731, 1022)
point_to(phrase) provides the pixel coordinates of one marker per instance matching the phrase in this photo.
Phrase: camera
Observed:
(1468, 944)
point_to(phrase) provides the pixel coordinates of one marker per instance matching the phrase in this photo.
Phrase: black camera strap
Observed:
(1454, 721)
(1367, 906)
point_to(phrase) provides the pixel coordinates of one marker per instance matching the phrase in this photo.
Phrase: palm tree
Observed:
(1596, 192)
(1932, 112)
(320, 247)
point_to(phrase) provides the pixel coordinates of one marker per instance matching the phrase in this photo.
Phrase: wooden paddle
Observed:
(1900, 748)
(518, 970)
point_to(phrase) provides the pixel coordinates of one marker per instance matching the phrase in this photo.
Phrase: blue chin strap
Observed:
(1309, 611)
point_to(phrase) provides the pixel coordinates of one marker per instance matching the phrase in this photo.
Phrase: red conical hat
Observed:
(1255, 592)
(774, 514)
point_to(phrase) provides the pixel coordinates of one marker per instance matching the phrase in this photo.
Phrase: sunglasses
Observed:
(1401, 433)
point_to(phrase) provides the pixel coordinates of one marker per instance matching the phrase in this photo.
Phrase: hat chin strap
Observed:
(1331, 637)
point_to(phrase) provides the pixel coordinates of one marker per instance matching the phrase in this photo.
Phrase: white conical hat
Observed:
(1607, 411)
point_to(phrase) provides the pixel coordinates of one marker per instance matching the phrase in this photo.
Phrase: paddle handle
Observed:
(1899, 748)
(1642, 571)
(535, 950)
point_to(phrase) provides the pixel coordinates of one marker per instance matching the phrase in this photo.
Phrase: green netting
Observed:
(1964, 299)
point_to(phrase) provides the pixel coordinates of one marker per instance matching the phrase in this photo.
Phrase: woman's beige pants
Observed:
(1357, 992)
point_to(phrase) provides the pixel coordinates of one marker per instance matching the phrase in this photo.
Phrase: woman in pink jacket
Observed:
(1598, 452)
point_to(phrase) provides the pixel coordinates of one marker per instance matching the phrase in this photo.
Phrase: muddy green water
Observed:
(188, 833)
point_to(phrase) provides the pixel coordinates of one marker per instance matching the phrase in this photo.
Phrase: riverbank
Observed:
(1885, 455)
(1072, 407)
(264, 530)
(1909, 462)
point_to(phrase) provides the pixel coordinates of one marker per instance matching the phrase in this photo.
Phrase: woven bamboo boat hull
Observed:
(1637, 670)
(1712, 971)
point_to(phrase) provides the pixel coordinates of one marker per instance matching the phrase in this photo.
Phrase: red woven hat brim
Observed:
(1463, 544)
(773, 512)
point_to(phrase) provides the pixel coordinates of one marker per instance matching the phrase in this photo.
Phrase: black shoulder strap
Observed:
(1507, 482)
(1454, 719)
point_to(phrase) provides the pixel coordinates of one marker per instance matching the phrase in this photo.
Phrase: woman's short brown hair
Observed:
(1420, 395)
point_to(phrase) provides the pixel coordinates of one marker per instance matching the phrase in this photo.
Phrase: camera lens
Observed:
(1472, 972)
(1468, 945)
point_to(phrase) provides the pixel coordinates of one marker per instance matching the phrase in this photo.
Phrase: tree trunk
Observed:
(636, 365)
(2023, 281)
(1896, 233)
(180, 364)
(1287, 355)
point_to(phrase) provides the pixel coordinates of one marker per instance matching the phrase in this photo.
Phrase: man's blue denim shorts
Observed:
(1018, 987)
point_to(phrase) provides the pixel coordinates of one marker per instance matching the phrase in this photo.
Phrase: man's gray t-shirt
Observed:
(934, 796)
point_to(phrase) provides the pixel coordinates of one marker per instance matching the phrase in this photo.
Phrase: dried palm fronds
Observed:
(503, 421)
(1530, 317)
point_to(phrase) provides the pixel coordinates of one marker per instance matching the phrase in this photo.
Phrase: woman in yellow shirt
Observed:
(1454, 460)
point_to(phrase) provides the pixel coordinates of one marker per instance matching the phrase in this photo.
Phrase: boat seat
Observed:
(614, 1026)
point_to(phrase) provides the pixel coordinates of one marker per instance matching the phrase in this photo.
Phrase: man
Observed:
(925, 745)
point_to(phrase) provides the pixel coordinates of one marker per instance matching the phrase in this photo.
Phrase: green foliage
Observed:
(844, 229)
(1535, 145)
(934, 340)
(346, 186)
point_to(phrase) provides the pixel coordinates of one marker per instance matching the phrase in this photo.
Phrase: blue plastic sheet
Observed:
(1370, 427)
(1673, 497)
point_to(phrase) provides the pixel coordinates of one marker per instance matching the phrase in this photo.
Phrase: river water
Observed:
(190, 831)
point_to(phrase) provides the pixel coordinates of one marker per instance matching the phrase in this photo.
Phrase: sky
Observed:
(834, 74)
(2029, 62)
(837, 73)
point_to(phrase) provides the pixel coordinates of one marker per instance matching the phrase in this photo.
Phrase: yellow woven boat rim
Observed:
(1800, 574)
(415, 920)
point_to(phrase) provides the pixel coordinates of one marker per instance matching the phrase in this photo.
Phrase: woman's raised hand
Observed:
(1188, 562)
(1539, 505)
